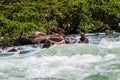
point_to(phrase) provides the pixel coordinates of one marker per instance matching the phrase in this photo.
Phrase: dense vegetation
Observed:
(26, 16)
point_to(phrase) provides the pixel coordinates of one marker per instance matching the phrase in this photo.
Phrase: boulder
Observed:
(37, 37)
(37, 33)
(12, 50)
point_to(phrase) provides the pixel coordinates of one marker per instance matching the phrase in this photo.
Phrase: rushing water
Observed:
(98, 60)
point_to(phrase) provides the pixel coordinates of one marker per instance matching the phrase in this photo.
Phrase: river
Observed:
(98, 60)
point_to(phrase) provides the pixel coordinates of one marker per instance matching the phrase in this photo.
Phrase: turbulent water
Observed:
(94, 61)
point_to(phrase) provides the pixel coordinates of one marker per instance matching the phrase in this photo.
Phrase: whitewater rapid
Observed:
(64, 62)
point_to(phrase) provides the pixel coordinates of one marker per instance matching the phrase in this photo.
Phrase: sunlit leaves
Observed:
(34, 15)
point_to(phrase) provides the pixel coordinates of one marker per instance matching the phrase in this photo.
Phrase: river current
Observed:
(98, 60)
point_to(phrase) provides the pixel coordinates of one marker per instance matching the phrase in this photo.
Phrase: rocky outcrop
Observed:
(40, 37)
(31, 39)
(37, 37)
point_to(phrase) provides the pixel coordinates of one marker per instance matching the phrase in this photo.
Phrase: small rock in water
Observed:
(20, 48)
(12, 50)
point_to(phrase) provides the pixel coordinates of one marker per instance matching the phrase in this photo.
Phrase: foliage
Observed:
(26, 16)
(109, 32)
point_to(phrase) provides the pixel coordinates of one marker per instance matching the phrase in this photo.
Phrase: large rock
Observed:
(37, 37)
(32, 39)
(37, 33)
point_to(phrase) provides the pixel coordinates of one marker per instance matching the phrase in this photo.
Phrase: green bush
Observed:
(89, 26)
(34, 15)
(109, 32)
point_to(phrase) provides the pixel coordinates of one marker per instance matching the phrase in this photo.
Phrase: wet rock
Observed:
(71, 40)
(12, 50)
